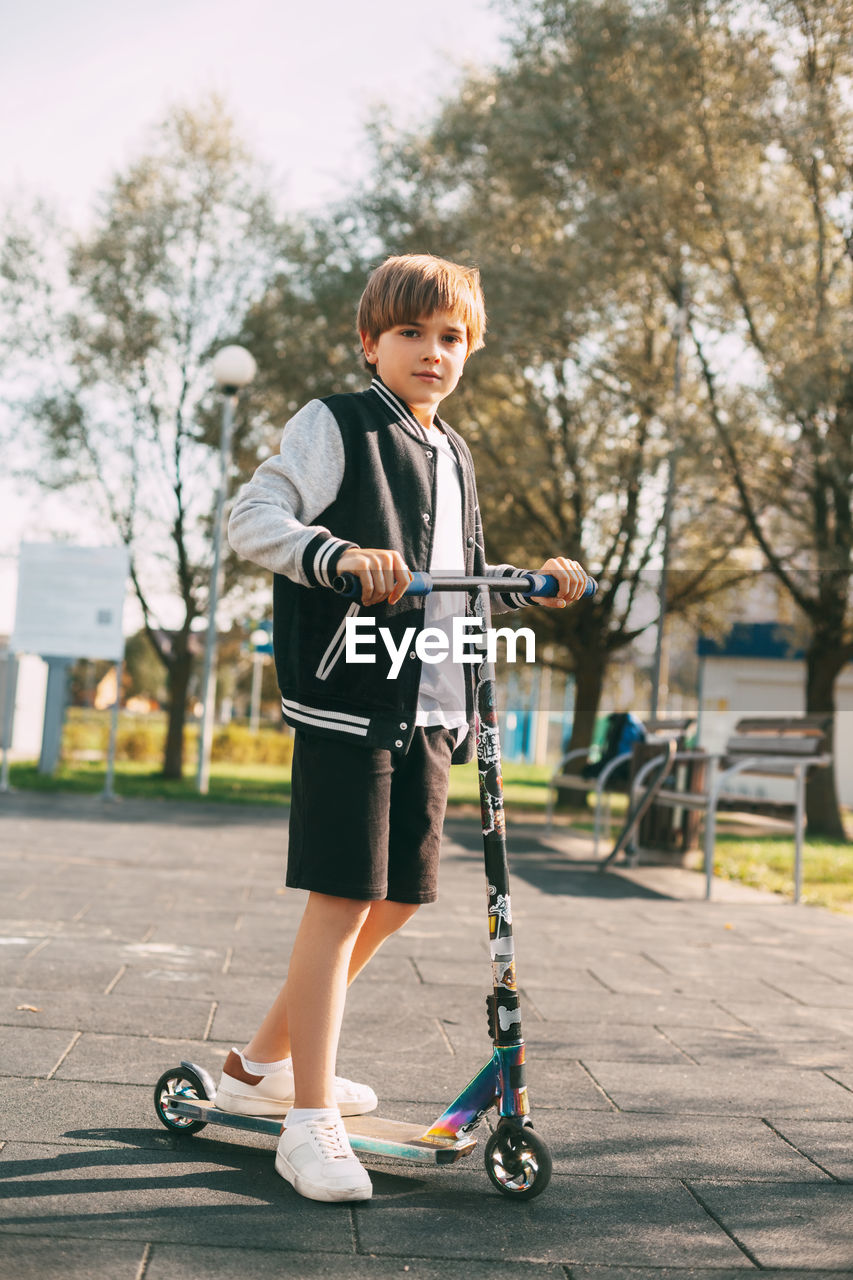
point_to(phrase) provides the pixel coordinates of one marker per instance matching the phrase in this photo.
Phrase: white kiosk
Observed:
(69, 606)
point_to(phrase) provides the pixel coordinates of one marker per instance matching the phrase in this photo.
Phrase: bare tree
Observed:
(116, 337)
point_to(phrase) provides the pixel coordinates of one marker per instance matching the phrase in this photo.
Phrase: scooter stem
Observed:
(503, 1004)
(501, 1082)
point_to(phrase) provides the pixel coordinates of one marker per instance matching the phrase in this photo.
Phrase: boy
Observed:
(372, 483)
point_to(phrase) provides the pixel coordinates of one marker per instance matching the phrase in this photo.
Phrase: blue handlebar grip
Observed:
(545, 584)
(348, 585)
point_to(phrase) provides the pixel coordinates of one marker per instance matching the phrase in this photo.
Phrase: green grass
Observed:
(525, 785)
(764, 862)
(233, 783)
(767, 862)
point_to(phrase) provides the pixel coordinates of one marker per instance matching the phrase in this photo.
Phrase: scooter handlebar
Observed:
(545, 584)
(422, 584)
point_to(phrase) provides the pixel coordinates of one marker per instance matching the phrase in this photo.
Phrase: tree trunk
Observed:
(824, 660)
(590, 666)
(180, 669)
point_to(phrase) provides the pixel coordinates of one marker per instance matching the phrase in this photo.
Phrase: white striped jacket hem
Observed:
(324, 719)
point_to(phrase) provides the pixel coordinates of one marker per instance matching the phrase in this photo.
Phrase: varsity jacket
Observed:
(353, 470)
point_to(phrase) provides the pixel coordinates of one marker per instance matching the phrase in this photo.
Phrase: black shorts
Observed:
(367, 823)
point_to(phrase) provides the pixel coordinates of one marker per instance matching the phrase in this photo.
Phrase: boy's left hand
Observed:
(571, 578)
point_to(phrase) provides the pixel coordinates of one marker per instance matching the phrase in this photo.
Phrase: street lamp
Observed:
(233, 368)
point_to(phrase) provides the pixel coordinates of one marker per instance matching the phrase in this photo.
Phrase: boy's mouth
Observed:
(428, 377)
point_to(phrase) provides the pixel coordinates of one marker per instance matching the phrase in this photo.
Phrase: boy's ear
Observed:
(368, 346)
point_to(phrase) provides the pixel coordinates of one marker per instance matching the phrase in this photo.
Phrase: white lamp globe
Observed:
(233, 367)
(259, 637)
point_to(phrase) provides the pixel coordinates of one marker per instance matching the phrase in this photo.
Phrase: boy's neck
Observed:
(434, 424)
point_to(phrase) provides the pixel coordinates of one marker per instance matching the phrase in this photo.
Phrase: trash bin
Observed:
(667, 829)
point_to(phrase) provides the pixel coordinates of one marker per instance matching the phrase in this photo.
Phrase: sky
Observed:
(81, 84)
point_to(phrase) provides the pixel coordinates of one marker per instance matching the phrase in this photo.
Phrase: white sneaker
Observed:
(245, 1094)
(316, 1158)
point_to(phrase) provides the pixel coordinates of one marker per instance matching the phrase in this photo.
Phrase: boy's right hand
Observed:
(382, 574)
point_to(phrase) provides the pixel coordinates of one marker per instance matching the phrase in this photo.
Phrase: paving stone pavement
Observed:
(690, 1063)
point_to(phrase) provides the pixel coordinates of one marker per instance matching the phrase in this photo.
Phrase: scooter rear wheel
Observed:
(517, 1160)
(185, 1083)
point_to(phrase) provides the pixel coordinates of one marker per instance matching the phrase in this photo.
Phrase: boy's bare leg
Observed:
(383, 919)
(309, 1008)
(336, 939)
(316, 992)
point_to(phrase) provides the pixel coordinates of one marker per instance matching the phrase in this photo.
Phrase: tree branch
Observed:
(806, 603)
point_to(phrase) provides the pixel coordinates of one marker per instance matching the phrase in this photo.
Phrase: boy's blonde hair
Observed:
(417, 284)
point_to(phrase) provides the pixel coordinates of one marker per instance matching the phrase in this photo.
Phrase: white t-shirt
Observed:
(441, 697)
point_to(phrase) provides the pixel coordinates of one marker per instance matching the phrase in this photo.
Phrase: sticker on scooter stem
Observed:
(500, 909)
(503, 973)
(488, 744)
(508, 1017)
(502, 951)
(492, 806)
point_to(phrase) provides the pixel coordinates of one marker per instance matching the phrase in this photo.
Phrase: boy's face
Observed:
(421, 361)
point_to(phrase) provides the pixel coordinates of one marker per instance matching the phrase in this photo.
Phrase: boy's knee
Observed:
(397, 913)
(352, 911)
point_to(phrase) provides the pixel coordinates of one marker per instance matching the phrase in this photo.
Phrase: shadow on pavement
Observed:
(536, 861)
(138, 1169)
(551, 873)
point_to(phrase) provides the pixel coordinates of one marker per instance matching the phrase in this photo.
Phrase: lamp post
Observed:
(233, 368)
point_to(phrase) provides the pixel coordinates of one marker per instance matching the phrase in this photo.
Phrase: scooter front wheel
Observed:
(179, 1082)
(517, 1160)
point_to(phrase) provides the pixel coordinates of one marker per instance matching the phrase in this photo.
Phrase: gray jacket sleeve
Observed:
(271, 520)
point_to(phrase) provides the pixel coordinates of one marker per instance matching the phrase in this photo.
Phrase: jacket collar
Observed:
(404, 413)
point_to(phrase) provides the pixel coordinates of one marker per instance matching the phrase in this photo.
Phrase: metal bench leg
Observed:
(632, 853)
(711, 834)
(597, 829)
(549, 810)
(799, 824)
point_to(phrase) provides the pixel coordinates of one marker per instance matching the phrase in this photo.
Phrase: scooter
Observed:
(517, 1159)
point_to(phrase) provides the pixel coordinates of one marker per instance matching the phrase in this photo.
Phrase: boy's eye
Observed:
(408, 333)
(453, 337)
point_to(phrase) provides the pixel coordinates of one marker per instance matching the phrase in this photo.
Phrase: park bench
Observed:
(569, 772)
(763, 746)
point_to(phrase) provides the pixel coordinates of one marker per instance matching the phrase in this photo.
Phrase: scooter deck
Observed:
(400, 1138)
